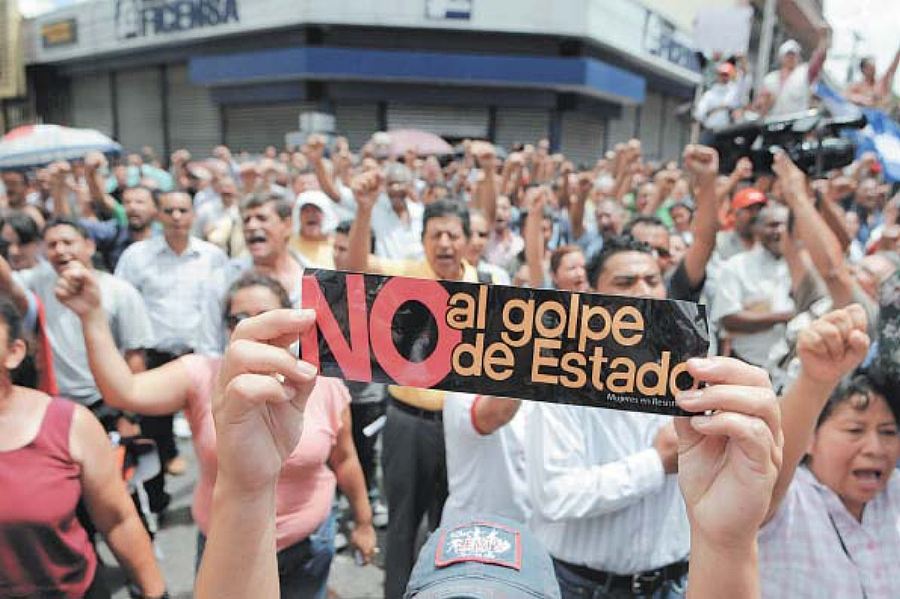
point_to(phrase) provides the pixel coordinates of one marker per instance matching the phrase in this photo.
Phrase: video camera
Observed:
(811, 140)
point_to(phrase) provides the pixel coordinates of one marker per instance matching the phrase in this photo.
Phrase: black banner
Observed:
(539, 344)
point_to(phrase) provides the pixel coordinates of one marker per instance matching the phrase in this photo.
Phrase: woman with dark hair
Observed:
(833, 527)
(53, 453)
(324, 456)
(20, 241)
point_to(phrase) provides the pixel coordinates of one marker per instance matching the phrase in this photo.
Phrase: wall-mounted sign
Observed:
(661, 38)
(143, 18)
(59, 33)
(460, 10)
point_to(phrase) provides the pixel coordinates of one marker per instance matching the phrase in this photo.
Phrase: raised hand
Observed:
(728, 461)
(485, 155)
(834, 344)
(702, 163)
(366, 188)
(77, 289)
(314, 148)
(743, 169)
(793, 180)
(94, 161)
(259, 398)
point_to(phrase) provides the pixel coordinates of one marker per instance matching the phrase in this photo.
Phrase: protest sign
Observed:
(539, 344)
(723, 30)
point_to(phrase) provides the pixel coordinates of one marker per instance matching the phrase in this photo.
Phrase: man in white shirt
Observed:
(397, 219)
(604, 500)
(713, 110)
(787, 90)
(66, 241)
(753, 292)
(484, 439)
(174, 274)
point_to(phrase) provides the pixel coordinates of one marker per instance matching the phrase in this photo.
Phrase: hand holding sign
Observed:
(259, 399)
(728, 462)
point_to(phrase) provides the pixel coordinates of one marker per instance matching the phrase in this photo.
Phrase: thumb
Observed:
(687, 435)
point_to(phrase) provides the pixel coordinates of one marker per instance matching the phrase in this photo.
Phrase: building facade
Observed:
(195, 73)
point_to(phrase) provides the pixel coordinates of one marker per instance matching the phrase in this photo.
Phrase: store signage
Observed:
(59, 33)
(143, 18)
(661, 38)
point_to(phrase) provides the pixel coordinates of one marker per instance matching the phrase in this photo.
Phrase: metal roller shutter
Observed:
(92, 102)
(451, 122)
(582, 137)
(622, 128)
(252, 127)
(674, 130)
(651, 125)
(357, 122)
(521, 125)
(139, 107)
(194, 122)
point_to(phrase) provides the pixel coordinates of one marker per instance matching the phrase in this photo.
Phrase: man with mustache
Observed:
(413, 459)
(66, 242)
(267, 231)
(173, 274)
(111, 237)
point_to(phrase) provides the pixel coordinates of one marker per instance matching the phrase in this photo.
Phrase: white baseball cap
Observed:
(788, 47)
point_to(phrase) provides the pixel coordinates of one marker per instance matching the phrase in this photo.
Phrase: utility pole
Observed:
(765, 45)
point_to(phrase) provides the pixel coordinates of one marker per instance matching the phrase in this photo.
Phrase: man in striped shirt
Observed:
(602, 483)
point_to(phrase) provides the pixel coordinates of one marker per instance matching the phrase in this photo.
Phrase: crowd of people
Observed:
(134, 291)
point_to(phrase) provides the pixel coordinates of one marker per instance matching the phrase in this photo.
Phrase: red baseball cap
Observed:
(747, 197)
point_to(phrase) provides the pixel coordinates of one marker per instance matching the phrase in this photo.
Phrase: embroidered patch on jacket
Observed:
(480, 542)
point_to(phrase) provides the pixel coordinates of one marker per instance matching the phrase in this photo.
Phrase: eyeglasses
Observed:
(171, 211)
(232, 320)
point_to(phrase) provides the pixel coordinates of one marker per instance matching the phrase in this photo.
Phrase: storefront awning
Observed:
(582, 75)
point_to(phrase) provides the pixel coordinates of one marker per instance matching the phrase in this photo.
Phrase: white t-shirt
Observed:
(791, 95)
(753, 280)
(715, 105)
(485, 473)
(125, 312)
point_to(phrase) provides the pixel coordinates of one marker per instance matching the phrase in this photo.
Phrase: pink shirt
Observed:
(306, 486)
(800, 552)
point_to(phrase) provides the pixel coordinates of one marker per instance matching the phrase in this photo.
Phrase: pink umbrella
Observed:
(422, 143)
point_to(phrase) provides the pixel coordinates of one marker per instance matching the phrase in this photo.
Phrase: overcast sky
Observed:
(875, 20)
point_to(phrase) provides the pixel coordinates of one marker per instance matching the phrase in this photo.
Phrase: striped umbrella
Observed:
(37, 145)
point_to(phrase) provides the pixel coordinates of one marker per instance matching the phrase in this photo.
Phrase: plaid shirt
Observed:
(815, 548)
